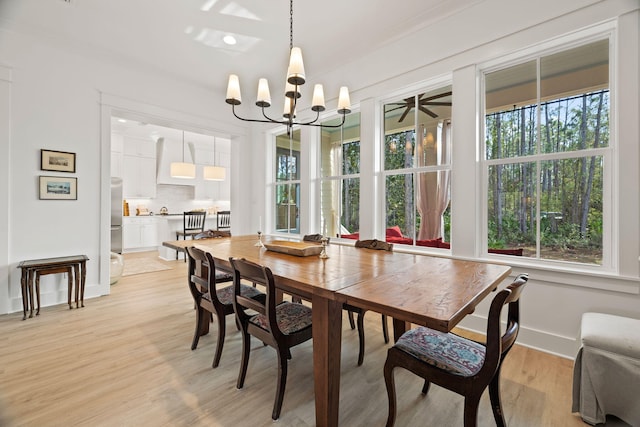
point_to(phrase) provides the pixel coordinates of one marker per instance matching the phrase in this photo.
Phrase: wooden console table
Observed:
(74, 266)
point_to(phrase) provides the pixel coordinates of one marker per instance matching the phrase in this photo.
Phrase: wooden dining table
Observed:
(411, 288)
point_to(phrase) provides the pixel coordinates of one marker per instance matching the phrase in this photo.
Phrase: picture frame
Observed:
(58, 188)
(58, 161)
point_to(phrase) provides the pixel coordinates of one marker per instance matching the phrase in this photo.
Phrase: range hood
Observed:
(167, 152)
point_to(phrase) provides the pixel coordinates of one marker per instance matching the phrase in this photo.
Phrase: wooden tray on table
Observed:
(294, 248)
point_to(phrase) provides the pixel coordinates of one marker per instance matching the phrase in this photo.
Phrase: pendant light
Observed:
(214, 173)
(295, 79)
(182, 169)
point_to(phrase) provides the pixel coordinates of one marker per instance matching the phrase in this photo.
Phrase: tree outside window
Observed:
(546, 146)
(340, 177)
(287, 188)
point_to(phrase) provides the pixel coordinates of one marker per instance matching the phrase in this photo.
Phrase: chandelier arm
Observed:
(309, 123)
(322, 125)
(269, 120)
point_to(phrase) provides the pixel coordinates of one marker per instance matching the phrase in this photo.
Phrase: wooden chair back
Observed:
(193, 221)
(223, 220)
(498, 344)
(260, 275)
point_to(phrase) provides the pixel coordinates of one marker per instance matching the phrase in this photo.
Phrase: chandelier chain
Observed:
(290, 25)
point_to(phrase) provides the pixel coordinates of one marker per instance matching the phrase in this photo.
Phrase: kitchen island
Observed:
(167, 227)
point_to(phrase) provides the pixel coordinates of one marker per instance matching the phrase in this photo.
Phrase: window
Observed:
(287, 188)
(340, 177)
(417, 171)
(546, 152)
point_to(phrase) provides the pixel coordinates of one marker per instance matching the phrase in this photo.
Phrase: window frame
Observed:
(414, 170)
(610, 189)
(341, 177)
(290, 182)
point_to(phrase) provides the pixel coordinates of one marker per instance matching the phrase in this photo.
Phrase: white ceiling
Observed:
(182, 37)
(151, 132)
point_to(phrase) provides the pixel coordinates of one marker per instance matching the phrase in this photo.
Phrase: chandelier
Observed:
(295, 79)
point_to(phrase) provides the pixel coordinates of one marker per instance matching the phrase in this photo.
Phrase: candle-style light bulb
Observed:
(233, 91)
(344, 103)
(317, 103)
(264, 97)
(295, 72)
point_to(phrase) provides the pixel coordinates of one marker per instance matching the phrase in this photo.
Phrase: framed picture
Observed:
(58, 161)
(58, 188)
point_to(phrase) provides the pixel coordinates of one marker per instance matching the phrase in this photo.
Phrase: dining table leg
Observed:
(327, 339)
(399, 328)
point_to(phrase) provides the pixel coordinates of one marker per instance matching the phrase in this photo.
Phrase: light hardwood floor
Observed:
(125, 360)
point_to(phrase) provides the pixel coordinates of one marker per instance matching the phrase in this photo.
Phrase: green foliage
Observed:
(570, 189)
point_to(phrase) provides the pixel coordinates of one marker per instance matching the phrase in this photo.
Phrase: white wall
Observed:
(61, 99)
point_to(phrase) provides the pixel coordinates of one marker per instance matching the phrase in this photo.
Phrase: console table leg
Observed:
(25, 293)
(76, 272)
(69, 286)
(37, 293)
(83, 268)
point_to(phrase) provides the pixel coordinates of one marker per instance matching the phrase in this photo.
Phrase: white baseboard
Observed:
(547, 342)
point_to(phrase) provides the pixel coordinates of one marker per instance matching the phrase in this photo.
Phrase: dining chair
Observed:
(192, 224)
(376, 245)
(459, 364)
(211, 299)
(223, 221)
(281, 326)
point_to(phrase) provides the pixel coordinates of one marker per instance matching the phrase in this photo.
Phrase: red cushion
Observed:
(516, 252)
(432, 243)
(394, 232)
(444, 245)
(400, 240)
(354, 236)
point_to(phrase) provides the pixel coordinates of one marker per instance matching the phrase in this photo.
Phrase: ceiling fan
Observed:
(409, 103)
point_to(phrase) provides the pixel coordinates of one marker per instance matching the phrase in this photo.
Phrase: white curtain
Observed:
(433, 187)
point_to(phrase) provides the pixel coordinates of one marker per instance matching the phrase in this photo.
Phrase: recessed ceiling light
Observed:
(229, 39)
(122, 120)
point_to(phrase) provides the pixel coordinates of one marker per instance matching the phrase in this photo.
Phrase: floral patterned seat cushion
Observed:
(291, 318)
(225, 295)
(449, 352)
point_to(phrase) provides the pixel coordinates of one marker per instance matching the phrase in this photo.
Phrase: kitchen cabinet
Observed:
(139, 233)
(139, 177)
(138, 168)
